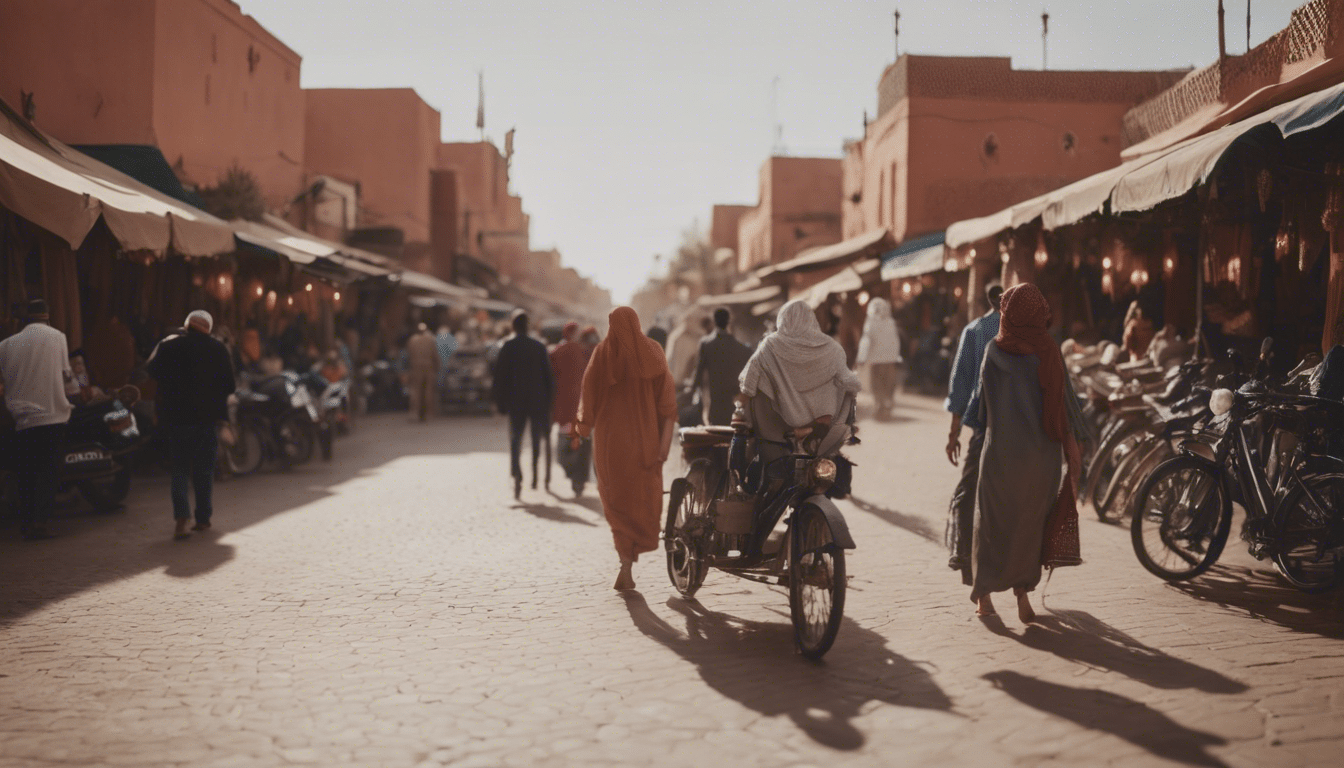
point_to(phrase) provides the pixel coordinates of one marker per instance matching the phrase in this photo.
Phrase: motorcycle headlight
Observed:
(823, 473)
(1220, 402)
(297, 399)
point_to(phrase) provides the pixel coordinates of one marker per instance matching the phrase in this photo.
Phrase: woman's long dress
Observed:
(625, 434)
(1020, 473)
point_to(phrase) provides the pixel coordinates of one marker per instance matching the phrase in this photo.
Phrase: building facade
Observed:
(199, 79)
(799, 208)
(385, 140)
(959, 137)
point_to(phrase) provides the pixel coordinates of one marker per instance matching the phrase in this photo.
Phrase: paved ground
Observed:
(396, 607)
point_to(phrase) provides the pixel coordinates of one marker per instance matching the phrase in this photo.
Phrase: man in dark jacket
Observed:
(195, 378)
(523, 388)
(722, 359)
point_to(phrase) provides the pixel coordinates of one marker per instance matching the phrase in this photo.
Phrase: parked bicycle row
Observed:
(1179, 442)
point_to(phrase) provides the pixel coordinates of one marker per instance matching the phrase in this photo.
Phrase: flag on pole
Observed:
(480, 102)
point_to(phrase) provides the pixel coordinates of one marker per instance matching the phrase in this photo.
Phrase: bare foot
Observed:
(985, 607)
(624, 580)
(1024, 611)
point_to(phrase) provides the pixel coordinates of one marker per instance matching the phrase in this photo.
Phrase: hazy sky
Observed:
(633, 118)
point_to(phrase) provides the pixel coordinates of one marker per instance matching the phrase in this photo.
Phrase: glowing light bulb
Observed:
(1106, 263)
(308, 287)
(336, 296)
(905, 289)
(260, 291)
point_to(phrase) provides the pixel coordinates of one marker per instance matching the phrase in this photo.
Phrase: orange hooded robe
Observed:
(627, 396)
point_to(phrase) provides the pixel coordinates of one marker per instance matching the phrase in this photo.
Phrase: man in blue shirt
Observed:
(963, 402)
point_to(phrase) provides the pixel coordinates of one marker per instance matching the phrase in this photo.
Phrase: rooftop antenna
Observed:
(777, 143)
(897, 30)
(1222, 33)
(1045, 42)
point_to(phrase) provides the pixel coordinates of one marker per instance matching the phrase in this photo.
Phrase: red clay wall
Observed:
(227, 91)
(89, 64)
(387, 140)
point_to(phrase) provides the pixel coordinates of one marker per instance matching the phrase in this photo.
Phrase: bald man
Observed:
(195, 378)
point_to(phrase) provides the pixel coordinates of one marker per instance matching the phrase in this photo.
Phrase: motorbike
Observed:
(1272, 454)
(466, 383)
(763, 511)
(101, 441)
(332, 399)
(281, 412)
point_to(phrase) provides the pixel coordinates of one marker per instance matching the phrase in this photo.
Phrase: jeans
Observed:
(961, 522)
(541, 429)
(192, 450)
(38, 450)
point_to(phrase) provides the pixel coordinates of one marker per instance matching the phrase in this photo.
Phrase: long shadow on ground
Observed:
(1261, 594)
(753, 663)
(1080, 637)
(912, 523)
(1131, 720)
(97, 549)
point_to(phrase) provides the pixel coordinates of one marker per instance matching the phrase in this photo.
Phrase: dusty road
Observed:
(398, 608)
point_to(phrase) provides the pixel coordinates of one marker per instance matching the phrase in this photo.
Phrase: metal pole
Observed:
(1222, 33)
(1248, 26)
(1045, 34)
(897, 30)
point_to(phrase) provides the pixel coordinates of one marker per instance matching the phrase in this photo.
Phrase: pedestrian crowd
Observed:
(613, 404)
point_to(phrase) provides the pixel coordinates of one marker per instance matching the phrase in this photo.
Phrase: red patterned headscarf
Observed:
(1024, 330)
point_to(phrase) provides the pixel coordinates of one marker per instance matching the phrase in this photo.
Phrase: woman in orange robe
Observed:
(629, 408)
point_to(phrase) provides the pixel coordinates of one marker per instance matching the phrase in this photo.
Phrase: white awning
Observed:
(65, 191)
(830, 255)
(741, 297)
(1145, 182)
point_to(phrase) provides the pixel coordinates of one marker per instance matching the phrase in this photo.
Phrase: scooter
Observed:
(101, 440)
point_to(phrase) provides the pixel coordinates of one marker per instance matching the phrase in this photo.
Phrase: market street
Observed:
(397, 607)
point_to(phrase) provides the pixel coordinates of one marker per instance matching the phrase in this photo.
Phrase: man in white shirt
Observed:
(35, 371)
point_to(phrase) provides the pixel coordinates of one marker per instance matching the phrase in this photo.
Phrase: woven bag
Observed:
(1061, 546)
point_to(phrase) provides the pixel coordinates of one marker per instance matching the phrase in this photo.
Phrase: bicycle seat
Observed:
(706, 436)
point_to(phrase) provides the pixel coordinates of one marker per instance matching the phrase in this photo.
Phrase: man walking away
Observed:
(195, 379)
(523, 388)
(35, 372)
(722, 359)
(422, 357)
(446, 343)
(965, 381)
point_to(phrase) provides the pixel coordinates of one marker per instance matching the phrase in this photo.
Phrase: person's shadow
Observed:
(1261, 594)
(553, 513)
(1098, 710)
(196, 556)
(912, 523)
(754, 663)
(1081, 637)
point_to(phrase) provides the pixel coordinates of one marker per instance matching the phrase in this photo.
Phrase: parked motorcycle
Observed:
(101, 441)
(763, 512)
(466, 383)
(282, 413)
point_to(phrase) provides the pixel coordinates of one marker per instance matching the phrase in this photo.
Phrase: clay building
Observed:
(798, 208)
(385, 140)
(960, 137)
(198, 79)
(492, 227)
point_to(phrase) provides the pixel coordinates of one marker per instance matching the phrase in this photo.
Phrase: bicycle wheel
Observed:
(1111, 499)
(1182, 516)
(1108, 469)
(1310, 529)
(687, 510)
(816, 583)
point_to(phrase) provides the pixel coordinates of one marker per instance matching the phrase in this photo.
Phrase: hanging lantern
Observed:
(1168, 266)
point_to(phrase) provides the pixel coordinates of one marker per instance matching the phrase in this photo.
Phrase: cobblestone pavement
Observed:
(397, 608)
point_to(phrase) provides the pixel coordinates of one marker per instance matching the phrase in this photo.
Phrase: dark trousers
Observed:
(192, 450)
(38, 451)
(961, 512)
(541, 429)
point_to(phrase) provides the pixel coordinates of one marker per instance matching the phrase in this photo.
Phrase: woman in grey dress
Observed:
(1032, 422)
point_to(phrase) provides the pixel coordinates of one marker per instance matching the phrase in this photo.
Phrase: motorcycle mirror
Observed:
(1266, 347)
